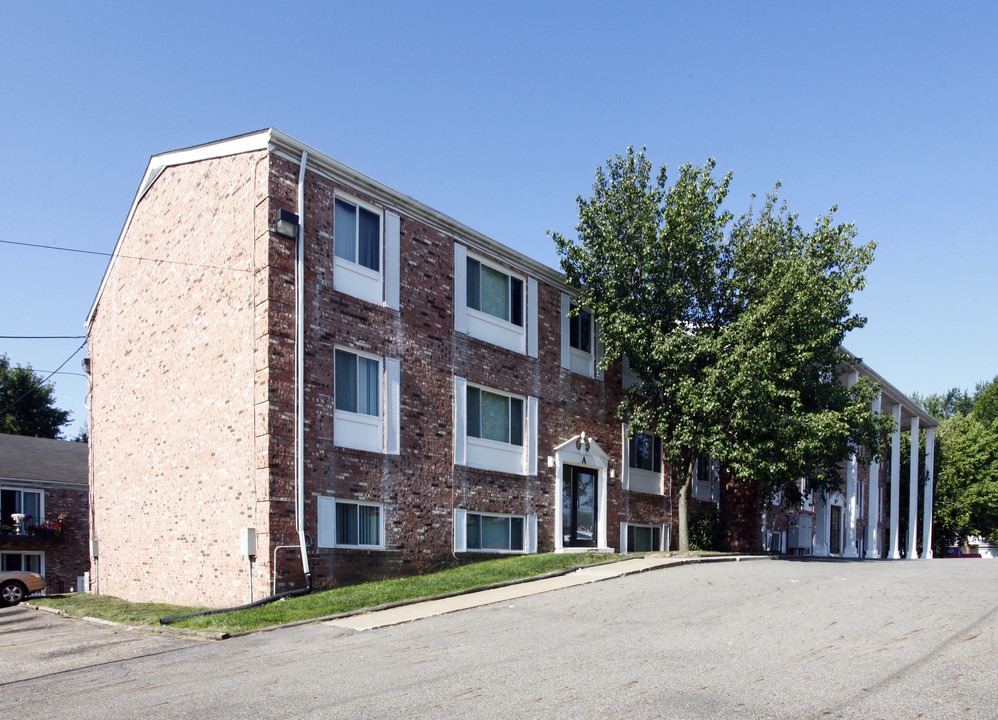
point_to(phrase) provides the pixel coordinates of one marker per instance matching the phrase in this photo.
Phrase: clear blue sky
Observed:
(498, 114)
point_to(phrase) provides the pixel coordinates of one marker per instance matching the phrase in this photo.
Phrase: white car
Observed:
(15, 586)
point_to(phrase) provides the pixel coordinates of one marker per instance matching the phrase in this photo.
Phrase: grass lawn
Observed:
(327, 602)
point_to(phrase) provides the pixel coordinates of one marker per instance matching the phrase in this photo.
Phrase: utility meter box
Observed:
(799, 532)
(247, 542)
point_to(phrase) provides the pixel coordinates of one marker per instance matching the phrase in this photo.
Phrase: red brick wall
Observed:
(193, 404)
(421, 487)
(66, 556)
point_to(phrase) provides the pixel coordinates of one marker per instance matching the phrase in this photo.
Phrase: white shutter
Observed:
(532, 534)
(393, 411)
(666, 537)
(460, 422)
(625, 465)
(565, 307)
(460, 531)
(623, 537)
(326, 530)
(460, 288)
(532, 317)
(392, 260)
(597, 350)
(531, 436)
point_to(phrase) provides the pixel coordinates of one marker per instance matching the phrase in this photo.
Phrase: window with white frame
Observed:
(494, 416)
(494, 532)
(364, 266)
(494, 292)
(580, 330)
(642, 462)
(580, 345)
(807, 497)
(643, 538)
(15, 501)
(350, 524)
(358, 387)
(486, 532)
(494, 430)
(358, 383)
(493, 303)
(357, 235)
(645, 452)
(22, 562)
(706, 479)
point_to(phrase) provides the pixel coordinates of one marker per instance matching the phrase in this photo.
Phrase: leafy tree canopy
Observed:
(27, 407)
(966, 485)
(731, 327)
(966, 463)
(954, 401)
(986, 402)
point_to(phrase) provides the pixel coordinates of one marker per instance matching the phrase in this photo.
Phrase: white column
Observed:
(873, 515)
(930, 455)
(895, 481)
(852, 469)
(913, 492)
(821, 548)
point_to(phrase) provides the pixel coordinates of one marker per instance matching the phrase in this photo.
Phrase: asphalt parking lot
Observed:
(778, 639)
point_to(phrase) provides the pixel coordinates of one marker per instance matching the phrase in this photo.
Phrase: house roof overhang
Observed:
(891, 396)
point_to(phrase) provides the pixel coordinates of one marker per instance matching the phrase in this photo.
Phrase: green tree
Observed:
(953, 401)
(985, 406)
(649, 264)
(787, 413)
(732, 328)
(83, 435)
(966, 484)
(27, 407)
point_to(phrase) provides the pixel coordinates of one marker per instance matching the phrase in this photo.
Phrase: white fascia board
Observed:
(891, 395)
(157, 163)
(333, 169)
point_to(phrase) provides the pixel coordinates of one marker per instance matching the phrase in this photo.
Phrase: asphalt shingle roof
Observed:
(43, 460)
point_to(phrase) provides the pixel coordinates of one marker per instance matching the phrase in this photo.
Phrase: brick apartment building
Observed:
(45, 481)
(392, 393)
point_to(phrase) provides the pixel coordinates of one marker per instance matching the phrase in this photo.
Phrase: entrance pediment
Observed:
(581, 450)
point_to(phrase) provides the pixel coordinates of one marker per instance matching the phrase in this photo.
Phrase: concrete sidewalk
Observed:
(582, 576)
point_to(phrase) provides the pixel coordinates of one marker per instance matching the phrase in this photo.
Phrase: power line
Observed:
(38, 385)
(128, 257)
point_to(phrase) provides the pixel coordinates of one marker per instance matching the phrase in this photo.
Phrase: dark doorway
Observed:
(835, 530)
(578, 507)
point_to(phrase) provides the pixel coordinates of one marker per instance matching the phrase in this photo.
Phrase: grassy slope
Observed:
(328, 602)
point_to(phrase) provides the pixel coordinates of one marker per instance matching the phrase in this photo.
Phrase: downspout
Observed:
(300, 375)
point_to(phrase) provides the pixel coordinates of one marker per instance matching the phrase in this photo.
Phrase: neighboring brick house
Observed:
(440, 404)
(46, 482)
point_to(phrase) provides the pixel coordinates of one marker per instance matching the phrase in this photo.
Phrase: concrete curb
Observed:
(197, 634)
(666, 562)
